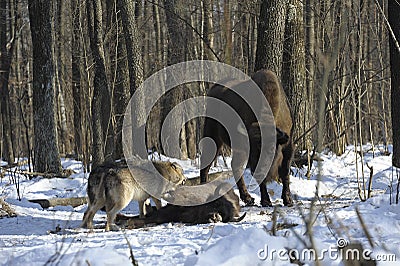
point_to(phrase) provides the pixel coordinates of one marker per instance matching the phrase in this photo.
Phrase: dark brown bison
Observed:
(225, 209)
(270, 86)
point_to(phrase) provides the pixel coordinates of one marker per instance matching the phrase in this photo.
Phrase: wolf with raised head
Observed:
(113, 186)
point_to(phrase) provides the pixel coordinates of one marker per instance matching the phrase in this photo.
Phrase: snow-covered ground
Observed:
(52, 236)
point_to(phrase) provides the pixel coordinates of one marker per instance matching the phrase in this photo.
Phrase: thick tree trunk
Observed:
(177, 45)
(122, 90)
(131, 35)
(394, 11)
(135, 64)
(101, 105)
(47, 158)
(293, 72)
(270, 33)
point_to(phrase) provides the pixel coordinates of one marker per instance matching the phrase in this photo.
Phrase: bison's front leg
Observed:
(287, 152)
(208, 156)
(204, 174)
(262, 181)
(265, 200)
(238, 163)
(286, 194)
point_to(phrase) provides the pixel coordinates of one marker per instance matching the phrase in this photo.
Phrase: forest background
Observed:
(69, 68)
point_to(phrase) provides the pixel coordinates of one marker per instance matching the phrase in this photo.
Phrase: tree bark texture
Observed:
(176, 53)
(5, 67)
(76, 77)
(101, 105)
(293, 72)
(228, 32)
(135, 64)
(270, 33)
(47, 158)
(394, 11)
(131, 35)
(121, 91)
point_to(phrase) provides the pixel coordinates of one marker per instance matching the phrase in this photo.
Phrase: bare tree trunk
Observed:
(86, 88)
(47, 158)
(394, 11)
(76, 77)
(252, 43)
(122, 88)
(293, 72)
(58, 32)
(135, 64)
(101, 105)
(310, 62)
(177, 44)
(158, 37)
(132, 44)
(153, 123)
(24, 94)
(208, 34)
(5, 67)
(244, 36)
(270, 33)
(228, 32)
(28, 110)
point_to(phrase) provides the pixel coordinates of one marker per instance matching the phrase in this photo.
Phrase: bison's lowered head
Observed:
(254, 134)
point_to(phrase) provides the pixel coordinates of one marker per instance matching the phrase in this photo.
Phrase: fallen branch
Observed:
(65, 173)
(74, 202)
(19, 163)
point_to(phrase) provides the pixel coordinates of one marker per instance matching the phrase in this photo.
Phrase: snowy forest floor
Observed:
(52, 236)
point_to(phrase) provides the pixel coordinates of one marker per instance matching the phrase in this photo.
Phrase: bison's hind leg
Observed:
(283, 171)
(265, 200)
(238, 164)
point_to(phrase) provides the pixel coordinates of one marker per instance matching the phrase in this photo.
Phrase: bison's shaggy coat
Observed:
(270, 86)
